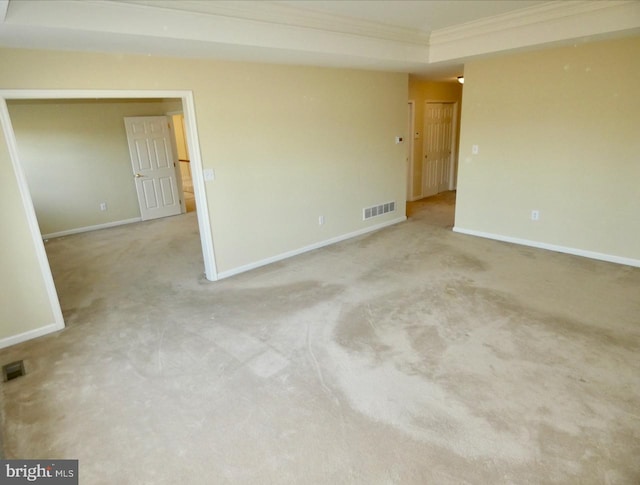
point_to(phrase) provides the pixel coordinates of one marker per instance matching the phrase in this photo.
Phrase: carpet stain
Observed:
(269, 302)
(459, 376)
(74, 315)
(460, 260)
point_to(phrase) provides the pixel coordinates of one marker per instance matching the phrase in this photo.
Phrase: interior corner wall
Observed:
(287, 144)
(557, 132)
(24, 301)
(75, 156)
(421, 91)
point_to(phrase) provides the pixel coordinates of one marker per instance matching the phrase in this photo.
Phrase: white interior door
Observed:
(438, 130)
(410, 145)
(153, 166)
(444, 168)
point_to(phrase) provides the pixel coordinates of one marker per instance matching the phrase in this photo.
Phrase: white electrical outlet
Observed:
(320, 220)
(535, 215)
(474, 149)
(103, 206)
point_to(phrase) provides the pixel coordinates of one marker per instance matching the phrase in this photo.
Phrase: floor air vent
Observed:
(13, 370)
(378, 210)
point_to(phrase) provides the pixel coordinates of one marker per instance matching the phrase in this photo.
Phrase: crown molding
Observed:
(274, 13)
(123, 26)
(552, 21)
(528, 16)
(274, 32)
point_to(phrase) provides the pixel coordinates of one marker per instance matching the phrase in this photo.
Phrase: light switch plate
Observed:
(209, 175)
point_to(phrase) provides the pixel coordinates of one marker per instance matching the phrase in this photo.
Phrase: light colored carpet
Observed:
(412, 355)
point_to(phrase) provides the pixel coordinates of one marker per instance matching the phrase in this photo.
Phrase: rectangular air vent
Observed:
(13, 370)
(378, 210)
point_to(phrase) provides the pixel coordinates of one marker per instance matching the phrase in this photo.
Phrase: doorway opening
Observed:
(439, 147)
(435, 168)
(190, 130)
(176, 121)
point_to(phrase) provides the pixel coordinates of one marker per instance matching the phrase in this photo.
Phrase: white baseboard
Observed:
(552, 247)
(311, 247)
(78, 230)
(31, 334)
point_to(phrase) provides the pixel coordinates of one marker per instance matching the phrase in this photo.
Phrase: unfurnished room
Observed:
(359, 242)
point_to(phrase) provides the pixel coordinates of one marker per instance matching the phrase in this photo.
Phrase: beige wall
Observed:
(24, 303)
(420, 92)
(557, 131)
(287, 144)
(74, 155)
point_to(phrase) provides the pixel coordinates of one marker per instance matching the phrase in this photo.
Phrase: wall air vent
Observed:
(378, 210)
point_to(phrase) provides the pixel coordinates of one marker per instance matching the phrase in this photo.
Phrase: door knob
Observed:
(138, 175)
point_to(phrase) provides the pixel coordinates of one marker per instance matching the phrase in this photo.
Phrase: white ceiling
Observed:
(428, 38)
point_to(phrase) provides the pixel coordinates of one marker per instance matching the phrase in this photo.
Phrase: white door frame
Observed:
(176, 161)
(453, 166)
(410, 138)
(188, 106)
(454, 136)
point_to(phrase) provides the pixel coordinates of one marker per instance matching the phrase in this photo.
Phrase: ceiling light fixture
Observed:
(461, 79)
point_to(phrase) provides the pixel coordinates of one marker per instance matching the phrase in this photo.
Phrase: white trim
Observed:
(552, 247)
(411, 139)
(176, 160)
(276, 15)
(305, 249)
(32, 222)
(268, 30)
(95, 227)
(543, 14)
(90, 93)
(454, 147)
(199, 189)
(31, 334)
(532, 26)
(197, 35)
(4, 6)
